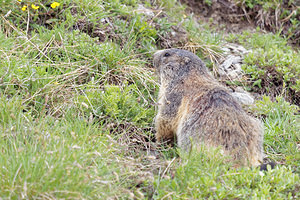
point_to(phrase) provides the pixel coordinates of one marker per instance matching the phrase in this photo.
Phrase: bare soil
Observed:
(222, 14)
(236, 18)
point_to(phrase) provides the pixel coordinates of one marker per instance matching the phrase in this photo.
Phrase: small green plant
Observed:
(143, 28)
(208, 2)
(120, 104)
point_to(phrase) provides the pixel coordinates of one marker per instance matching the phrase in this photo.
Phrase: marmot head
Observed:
(174, 64)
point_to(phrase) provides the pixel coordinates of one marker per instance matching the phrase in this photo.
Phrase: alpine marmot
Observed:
(195, 109)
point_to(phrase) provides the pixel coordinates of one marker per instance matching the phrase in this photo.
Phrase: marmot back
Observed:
(193, 106)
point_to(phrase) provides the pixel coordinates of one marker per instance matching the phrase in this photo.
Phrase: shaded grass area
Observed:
(77, 103)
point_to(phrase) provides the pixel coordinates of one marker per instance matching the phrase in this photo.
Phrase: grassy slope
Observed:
(77, 104)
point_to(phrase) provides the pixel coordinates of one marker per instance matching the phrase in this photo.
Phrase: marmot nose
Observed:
(156, 57)
(157, 53)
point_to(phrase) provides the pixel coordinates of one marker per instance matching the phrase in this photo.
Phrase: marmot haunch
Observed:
(195, 109)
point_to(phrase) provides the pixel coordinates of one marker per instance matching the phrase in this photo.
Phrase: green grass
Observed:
(53, 158)
(77, 103)
(282, 124)
(207, 175)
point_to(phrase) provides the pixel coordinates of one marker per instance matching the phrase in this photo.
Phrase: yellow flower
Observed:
(55, 4)
(34, 7)
(24, 8)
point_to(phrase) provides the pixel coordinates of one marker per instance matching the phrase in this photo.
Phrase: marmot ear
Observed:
(186, 60)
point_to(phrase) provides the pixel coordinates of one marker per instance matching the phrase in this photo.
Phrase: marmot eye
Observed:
(166, 55)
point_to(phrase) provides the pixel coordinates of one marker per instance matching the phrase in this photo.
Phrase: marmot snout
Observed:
(193, 106)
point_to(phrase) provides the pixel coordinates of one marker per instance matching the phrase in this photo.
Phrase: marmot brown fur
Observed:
(195, 109)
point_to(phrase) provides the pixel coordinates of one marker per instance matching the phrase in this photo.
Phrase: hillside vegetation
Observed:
(78, 95)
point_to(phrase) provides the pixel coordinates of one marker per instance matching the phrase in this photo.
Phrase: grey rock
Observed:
(243, 97)
(231, 67)
(142, 10)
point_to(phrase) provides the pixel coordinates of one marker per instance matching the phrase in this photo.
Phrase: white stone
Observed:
(142, 10)
(231, 66)
(243, 97)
